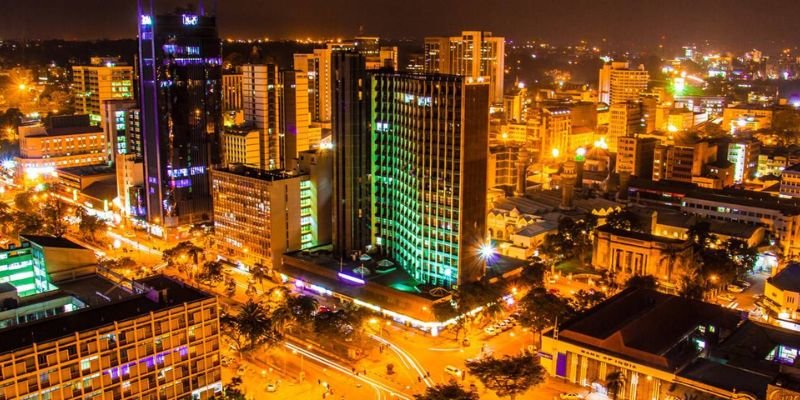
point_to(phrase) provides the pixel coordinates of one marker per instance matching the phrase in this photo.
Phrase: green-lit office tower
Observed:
(430, 147)
(351, 152)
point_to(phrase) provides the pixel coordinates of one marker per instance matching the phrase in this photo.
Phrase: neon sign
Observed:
(189, 19)
(147, 20)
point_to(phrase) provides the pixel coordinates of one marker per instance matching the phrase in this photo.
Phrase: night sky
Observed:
(764, 23)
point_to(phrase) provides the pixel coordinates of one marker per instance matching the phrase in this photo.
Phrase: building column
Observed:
(584, 368)
(634, 385)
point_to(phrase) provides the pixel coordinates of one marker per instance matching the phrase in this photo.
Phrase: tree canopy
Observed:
(508, 376)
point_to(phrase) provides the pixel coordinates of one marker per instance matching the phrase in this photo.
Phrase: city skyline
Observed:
(621, 22)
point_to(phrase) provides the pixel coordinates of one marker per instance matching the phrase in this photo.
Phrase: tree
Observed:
(586, 299)
(572, 240)
(211, 273)
(532, 274)
(691, 287)
(53, 214)
(27, 223)
(23, 201)
(642, 282)
(540, 309)
(446, 391)
(508, 376)
(250, 328)
(625, 220)
(182, 254)
(232, 391)
(718, 266)
(743, 255)
(259, 273)
(615, 383)
(700, 235)
(89, 224)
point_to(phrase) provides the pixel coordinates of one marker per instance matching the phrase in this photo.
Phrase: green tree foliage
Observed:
(743, 255)
(89, 224)
(624, 220)
(54, 213)
(539, 309)
(532, 274)
(211, 273)
(572, 240)
(250, 328)
(446, 391)
(509, 376)
(24, 201)
(586, 299)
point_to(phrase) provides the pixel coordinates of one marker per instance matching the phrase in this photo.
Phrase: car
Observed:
(240, 371)
(451, 370)
(726, 297)
(570, 396)
(514, 315)
(500, 325)
(271, 388)
(734, 289)
(491, 331)
(226, 361)
(510, 321)
(742, 283)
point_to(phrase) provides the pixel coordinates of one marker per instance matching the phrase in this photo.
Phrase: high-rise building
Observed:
(180, 65)
(296, 130)
(259, 215)
(635, 156)
(94, 84)
(618, 83)
(551, 127)
(115, 116)
(318, 164)
(683, 161)
(232, 91)
(261, 100)
(624, 119)
(242, 146)
(430, 148)
(351, 152)
(743, 154)
(473, 54)
(318, 67)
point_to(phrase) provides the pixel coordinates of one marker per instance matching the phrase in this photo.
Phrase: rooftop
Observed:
(90, 318)
(255, 173)
(787, 279)
(88, 170)
(638, 235)
(646, 326)
(51, 241)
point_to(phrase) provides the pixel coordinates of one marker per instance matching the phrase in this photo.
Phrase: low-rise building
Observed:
(61, 142)
(668, 347)
(782, 292)
(628, 253)
(790, 181)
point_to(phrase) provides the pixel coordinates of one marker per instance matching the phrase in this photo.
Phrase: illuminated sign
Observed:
(189, 19)
(146, 20)
(351, 278)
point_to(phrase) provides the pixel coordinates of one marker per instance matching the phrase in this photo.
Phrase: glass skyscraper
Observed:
(180, 57)
(429, 154)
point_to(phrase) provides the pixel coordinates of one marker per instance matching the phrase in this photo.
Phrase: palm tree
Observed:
(303, 308)
(259, 273)
(615, 383)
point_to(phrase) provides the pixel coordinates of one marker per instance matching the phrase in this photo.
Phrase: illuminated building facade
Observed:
(160, 344)
(232, 92)
(618, 83)
(351, 152)
(63, 141)
(473, 54)
(317, 66)
(429, 155)
(259, 215)
(242, 146)
(180, 58)
(624, 119)
(261, 99)
(121, 136)
(94, 84)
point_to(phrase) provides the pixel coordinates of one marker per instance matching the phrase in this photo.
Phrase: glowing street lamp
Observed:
(486, 251)
(555, 152)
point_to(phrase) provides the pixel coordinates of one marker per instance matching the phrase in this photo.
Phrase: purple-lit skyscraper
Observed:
(180, 72)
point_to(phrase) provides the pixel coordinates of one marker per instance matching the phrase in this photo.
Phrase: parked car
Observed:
(734, 288)
(271, 388)
(491, 330)
(726, 297)
(743, 283)
(453, 371)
